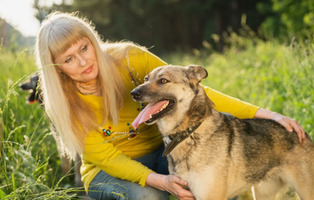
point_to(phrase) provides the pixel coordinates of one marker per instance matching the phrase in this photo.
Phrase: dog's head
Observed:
(32, 87)
(169, 91)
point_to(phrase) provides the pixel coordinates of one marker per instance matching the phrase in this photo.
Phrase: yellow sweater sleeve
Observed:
(110, 159)
(231, 105)
(143, 61)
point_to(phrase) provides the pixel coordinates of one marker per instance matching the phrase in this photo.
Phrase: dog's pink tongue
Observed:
(150, 109)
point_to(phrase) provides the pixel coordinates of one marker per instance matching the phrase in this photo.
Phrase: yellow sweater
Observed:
(112, 148)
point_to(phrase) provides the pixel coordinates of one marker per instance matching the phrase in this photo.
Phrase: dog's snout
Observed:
(27, 86)
(136, 93)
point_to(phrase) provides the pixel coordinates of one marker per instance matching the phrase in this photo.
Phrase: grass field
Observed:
(271, 75)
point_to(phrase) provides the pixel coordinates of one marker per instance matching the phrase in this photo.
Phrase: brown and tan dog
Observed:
(220, 155)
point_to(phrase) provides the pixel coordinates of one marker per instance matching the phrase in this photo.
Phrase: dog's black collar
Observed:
(179, 137)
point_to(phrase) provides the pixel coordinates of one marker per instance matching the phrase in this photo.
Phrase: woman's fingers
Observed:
(291, 125)
(297, 128)
(177, 187)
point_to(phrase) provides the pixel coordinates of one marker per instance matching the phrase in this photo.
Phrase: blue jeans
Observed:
(104, 186)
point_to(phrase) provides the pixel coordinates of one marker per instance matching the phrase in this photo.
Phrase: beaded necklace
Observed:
(132, 132)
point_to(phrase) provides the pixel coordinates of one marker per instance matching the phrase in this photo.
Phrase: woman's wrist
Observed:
(262, 113)
(155, 180)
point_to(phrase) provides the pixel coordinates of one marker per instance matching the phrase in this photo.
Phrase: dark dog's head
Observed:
(169, 92)
(32, 87)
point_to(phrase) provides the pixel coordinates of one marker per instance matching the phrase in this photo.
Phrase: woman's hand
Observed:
(288, 123)
(172, 184)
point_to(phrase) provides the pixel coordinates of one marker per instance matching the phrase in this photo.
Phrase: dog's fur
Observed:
(34, 91)
(224, 155)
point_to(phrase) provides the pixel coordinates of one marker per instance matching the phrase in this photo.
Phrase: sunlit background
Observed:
(170, 25)
(21, 14)
(260, 51)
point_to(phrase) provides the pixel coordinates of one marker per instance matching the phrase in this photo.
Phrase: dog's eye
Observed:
(164, 81)
(146, 78)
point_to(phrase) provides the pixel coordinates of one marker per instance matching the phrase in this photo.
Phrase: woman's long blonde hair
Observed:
(70, 115)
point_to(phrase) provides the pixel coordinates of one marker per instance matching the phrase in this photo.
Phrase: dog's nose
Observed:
(136, 93)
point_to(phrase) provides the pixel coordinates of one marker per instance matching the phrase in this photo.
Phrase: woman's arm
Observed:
(241, 109)
(143, 61)
(110, 159)
(231, 105)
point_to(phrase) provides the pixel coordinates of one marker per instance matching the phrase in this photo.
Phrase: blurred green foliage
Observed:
(184, 24)
(287, 18)
(29, 160)
(166, 24)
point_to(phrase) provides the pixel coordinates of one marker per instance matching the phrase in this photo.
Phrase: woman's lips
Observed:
(88, 70)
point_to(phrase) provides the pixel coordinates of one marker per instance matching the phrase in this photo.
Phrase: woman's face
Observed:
(79, 61)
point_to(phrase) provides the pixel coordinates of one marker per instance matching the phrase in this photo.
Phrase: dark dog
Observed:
(36, 96)
(220, 155)
(35, 91)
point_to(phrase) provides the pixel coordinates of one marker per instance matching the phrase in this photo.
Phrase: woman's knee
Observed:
(131, 191)
(105, 186)
(148, 193)
(110, 191)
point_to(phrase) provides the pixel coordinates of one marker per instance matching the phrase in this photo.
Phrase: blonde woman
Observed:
(86, 87)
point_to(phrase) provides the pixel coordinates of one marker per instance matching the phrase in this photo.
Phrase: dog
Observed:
(219, 155)
(34, 91)
(32, 86)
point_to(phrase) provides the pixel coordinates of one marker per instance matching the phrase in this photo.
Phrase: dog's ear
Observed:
(196, 73)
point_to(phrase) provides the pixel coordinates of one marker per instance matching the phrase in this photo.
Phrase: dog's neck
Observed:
(199, 108)
(179, 137)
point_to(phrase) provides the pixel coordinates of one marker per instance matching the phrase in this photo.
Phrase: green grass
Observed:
(271, 75)
(29, 163)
